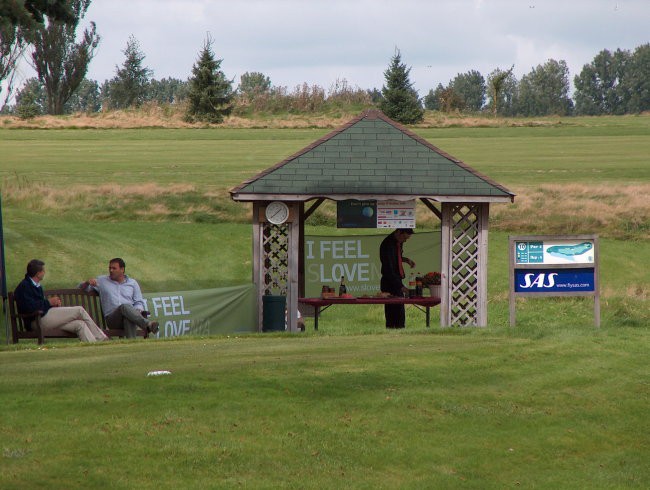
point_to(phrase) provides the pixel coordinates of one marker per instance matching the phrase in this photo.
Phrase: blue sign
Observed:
(356, 214)
(554, 280)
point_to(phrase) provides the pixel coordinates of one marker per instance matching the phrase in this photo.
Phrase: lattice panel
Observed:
(275, 272)
(464, 264)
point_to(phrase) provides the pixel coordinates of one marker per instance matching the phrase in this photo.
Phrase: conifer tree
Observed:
(400, 100)
(210, 93)
(129, 87)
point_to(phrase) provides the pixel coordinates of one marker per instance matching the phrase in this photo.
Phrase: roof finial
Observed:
(371, 114)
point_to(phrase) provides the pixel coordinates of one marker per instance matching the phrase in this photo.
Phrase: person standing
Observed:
(121, 299)
(30, 298)
(392, 273)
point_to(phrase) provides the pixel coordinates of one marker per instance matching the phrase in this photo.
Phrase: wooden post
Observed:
(445, 266)
(482, 311)
(258, 255)
(293, 250)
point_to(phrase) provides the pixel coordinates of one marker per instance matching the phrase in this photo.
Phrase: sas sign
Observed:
(554, 280)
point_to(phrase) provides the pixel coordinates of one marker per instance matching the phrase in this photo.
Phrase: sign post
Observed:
(554, 265)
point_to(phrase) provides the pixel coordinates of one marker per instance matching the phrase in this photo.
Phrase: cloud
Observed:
(320, 41)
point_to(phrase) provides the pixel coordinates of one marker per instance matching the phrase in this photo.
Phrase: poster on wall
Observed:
(353, 213)
(396, 214)
(356, 258)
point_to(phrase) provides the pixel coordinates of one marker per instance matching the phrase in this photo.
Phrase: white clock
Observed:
(277, 212)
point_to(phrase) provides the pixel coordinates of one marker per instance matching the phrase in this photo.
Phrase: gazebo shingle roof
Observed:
(371, 156)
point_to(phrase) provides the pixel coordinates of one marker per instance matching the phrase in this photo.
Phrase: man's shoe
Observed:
(152, 327)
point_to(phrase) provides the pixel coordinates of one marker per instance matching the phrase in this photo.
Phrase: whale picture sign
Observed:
(575, 251)
(554, 266)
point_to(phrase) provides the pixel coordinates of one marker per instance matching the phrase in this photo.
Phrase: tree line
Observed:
(612, 83)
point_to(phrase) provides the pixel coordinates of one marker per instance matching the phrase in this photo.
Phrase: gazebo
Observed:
(373, 157)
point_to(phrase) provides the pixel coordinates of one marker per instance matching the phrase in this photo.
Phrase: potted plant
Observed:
(432, 281)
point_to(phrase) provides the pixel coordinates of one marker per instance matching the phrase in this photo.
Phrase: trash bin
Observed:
(273, 308)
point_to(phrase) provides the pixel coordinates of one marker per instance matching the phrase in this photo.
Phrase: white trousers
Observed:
(73, 319)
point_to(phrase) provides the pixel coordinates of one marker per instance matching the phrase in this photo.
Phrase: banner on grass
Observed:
(204, 312)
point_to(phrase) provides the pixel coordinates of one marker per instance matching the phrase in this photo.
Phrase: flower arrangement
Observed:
(431, 279)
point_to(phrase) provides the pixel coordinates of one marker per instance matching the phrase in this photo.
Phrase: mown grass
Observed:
(393, 410)
(580, 151)
(558, 170)
(552, 403)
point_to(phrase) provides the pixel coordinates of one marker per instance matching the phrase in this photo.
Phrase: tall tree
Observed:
(545, 90)
(210, 93)
(374, 94)
(432, 99)
(129, 87)
(28, 14)
(60, 62)
(17, 20)
(85, 98)
(400, 100)
(598, 86)
(167, 91)
(470, 87)
(254, 84)
(501, 85)
(636, 82)
(31, 100)
(12, 46)
(449, 100)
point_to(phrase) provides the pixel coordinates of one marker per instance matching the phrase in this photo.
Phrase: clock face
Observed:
(277, 212)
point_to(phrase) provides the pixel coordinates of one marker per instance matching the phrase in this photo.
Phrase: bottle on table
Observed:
(412, 285)
(342, 289)
(419, 292)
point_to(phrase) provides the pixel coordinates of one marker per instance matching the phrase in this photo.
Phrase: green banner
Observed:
(204, 312)
(356, 257)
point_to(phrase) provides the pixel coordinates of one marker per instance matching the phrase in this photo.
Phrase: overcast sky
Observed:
(320, 41)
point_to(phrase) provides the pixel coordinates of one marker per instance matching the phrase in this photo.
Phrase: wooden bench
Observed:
(20, 323)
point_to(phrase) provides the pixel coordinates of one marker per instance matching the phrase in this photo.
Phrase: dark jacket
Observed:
(30, 298)
(391, 279)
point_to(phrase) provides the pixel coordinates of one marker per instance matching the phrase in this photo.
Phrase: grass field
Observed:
(468, 409)
(552, 403)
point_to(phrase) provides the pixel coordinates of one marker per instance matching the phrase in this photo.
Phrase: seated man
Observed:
(31, 299)
(121, 299)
